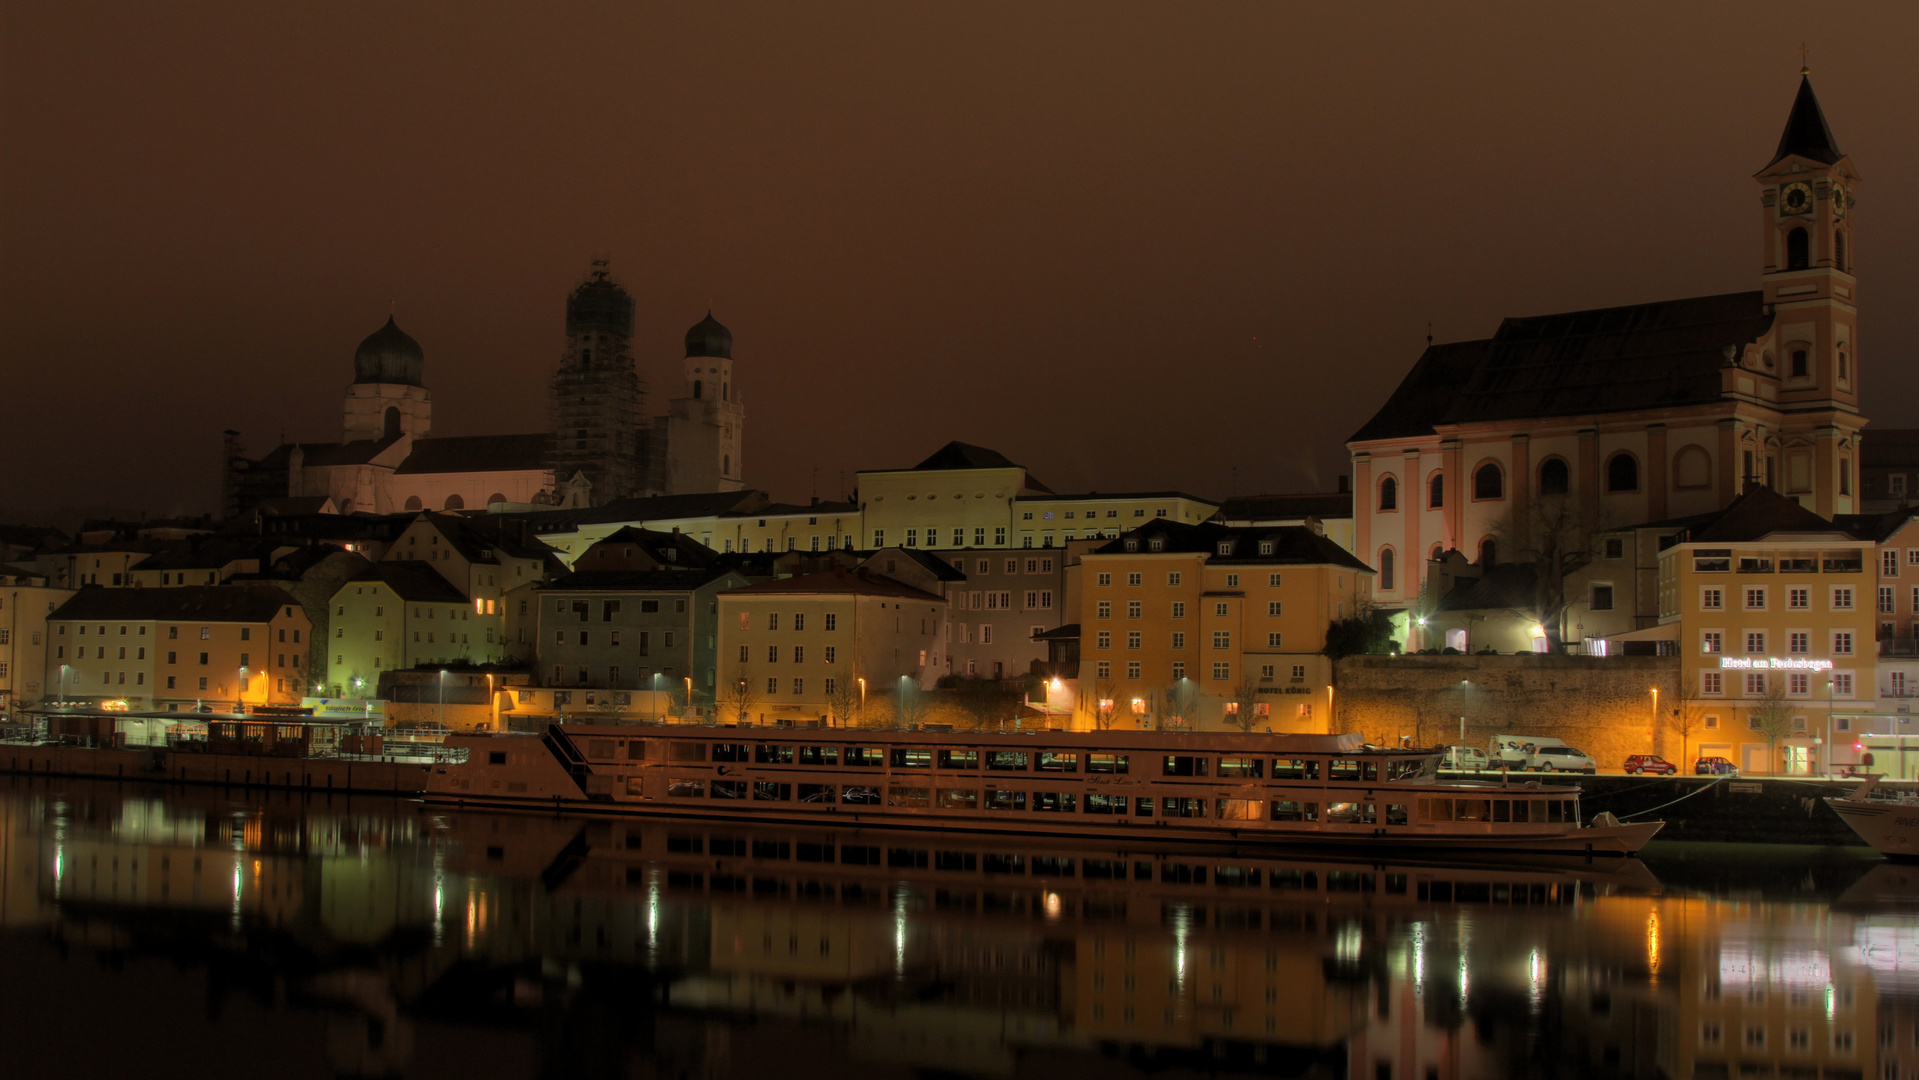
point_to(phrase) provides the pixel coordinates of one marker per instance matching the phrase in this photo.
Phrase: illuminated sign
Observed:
(1773, 663)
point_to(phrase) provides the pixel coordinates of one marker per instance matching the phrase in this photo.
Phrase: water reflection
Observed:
(393, 940)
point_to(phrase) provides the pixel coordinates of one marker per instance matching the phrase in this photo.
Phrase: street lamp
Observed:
(442, 712)
(63, 686)
(862, 682)
(1655, 720)
(1464, 686)
(240, 693)
(688, 706)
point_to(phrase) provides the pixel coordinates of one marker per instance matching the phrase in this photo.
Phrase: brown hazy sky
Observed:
(1129, 245)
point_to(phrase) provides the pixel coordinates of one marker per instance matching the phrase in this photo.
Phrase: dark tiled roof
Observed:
(1806, 132)
(1069, 632)
(820, 509)
(640, 510)
(690, 552)
(476, 453)
(1291, 544)
(634, 580)
(1889, 446)
(1757, 514)
(411, 579)
(959, 455)
(926, 560)
(1504, 587)
(32, 536)
(1875, 527)
(207, 553)
(1642, 356)
(205, 603)
(1273, 507)
(292, 504)
(838, 581)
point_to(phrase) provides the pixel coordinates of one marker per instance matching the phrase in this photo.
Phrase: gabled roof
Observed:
(1098, 496)
(1641, 356)
(1758, 513)
(477, 453)
(687, 551)
(1806, 133)
(202, 603)
(640, 510)
(636, 580)
(959, 455)
(413, 580)
(478, 537)
(818, 509)
(851, 582)
(925, 560)
(1294, 544)
(208, 553)
(1876, 527)
(1504, 586)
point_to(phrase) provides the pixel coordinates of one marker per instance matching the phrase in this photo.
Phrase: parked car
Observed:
(1465, 759)
(1650, 763)
(1714, 766)
(1562, 759)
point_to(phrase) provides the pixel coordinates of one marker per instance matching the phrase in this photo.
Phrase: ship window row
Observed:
(1112, 764)
(1527, 811)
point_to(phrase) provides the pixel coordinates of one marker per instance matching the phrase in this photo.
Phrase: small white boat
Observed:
(1887, 820)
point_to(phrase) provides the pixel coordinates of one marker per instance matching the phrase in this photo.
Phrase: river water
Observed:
(207, 933)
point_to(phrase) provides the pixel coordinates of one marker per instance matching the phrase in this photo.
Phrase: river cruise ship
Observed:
(1280, 789)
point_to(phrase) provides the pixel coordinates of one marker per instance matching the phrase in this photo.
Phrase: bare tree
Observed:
(1772, 718)
(1686, 716)
(738, 697)
(843, 701)
(1245, 705)
(1105, 705)
(1557, 540)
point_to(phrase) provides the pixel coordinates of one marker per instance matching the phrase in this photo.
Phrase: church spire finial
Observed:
(1805, 65)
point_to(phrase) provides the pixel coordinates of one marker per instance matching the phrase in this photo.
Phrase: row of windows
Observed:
(1691, 470)
(140, 679)
(933, 537)
(1222, 639)
(1798, 598)
(1174, 578)
(1795, 684)
(1104, 669)
(1798, 642)
(593, 697)
(641, 641)
(140, 653)
(830, 621)
(1136, 609)
(173, 632)
(797, 653)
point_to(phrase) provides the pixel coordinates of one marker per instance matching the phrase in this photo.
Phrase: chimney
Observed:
(1345, 484)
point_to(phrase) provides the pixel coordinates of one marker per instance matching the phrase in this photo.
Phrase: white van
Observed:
(1538, 753)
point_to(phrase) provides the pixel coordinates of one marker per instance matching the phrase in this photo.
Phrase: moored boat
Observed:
(1326, 790)
(1886, 820)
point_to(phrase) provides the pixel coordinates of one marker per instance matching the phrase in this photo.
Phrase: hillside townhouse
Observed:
(26, 599)
(808, 647)
(172, 649)
(398, 615)
(1202, 626)
(1772, 609)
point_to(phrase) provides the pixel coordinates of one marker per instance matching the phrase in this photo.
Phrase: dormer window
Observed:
(1132, 545)
(1155, 544)
(1225, 547)
(1265, 547)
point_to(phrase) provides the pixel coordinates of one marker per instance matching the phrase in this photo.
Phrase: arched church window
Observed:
(726, 391)
(390, 423)
(1389, 494)
(346, 506)
(1436, 492)
(697, 388)
(496, 497)
(1845, 368)
(1489, 482)
(1436, 553)
(1386, 569)
(1488, 552)
(1553, 477)
(1622, 473)
(454, 502)
(413, 503)
(1692, 467)
(1798, 249)
(1838, 251)
(1799, 364)
(726, 464)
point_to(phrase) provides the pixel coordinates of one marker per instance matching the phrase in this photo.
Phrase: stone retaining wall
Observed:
(1601, 704)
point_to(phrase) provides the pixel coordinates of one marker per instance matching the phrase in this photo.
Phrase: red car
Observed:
(1650, 763)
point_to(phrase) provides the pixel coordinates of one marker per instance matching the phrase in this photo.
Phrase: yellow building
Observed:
(1198, 626)
(1771, 607)
(26, 599)
(169, 649)
(825, 645)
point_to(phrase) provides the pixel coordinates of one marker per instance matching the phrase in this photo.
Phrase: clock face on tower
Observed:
(1795, 199)
(1838, 195)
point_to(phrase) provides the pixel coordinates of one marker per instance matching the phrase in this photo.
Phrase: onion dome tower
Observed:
(388, 397)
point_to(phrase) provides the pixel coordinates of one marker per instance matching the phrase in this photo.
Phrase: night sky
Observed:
(1132, 246)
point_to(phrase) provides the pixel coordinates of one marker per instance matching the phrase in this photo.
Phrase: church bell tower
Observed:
(1806, 218)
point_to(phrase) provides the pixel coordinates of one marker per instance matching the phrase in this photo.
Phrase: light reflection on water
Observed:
(725, 950)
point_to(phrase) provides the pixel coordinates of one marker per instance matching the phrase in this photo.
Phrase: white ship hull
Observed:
(1293, 791)
(1891, 828)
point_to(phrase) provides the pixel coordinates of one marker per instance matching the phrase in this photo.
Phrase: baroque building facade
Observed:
(1525, 446)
